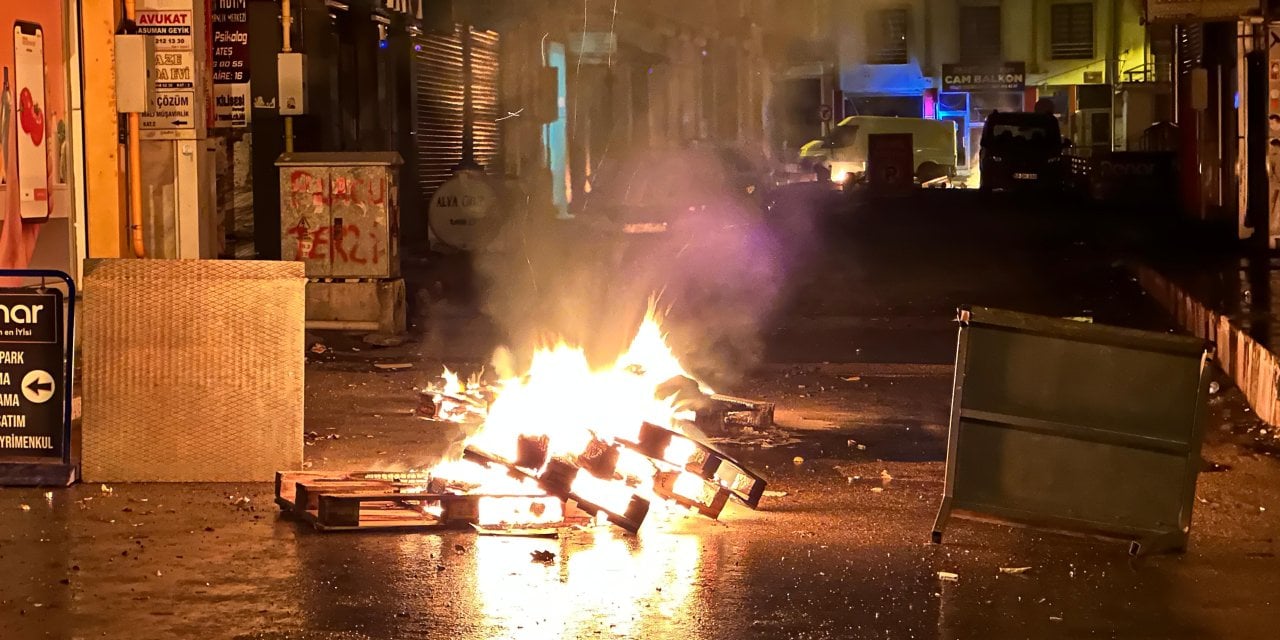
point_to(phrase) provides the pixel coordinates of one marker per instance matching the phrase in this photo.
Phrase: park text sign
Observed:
(31, 373)
(34, 403)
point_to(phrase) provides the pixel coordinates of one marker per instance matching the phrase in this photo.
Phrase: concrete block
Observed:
(367, 305)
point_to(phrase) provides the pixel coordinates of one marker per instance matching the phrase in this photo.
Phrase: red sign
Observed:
(166, 18)
(890, 161)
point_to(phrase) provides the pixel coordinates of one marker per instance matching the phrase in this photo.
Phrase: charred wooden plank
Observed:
(532, 451)
(709, 502)
(557, 480)
(677, 449)
(600, 459)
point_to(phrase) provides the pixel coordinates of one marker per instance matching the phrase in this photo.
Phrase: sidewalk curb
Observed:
(1254, 368)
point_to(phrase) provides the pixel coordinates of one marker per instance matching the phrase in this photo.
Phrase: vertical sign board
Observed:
(890, 162)
(34, 405)
(230, 59)
(1273, 134)
(174, 115)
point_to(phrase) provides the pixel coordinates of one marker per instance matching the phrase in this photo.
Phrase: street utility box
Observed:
(340, 213)
(1076, 426)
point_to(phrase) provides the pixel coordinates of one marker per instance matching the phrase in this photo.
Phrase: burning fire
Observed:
(568, 429)
(571, 404)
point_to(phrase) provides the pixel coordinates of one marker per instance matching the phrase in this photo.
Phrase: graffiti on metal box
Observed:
(339, 242)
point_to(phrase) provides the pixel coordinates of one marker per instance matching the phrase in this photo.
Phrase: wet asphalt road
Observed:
(833, 558)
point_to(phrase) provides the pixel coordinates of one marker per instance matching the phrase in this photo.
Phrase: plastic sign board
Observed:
(1200, 10)
(175, 113)
(230, 61)
(463, 211)
(34, 399)
(1003, 76)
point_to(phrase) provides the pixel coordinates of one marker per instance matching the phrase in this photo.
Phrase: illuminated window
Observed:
(1071, 31)
(980, 33)
(887, 36)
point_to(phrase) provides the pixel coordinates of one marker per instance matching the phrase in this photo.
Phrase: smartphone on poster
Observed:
(33, 163)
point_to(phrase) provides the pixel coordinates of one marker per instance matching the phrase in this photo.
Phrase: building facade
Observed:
(1102, 69)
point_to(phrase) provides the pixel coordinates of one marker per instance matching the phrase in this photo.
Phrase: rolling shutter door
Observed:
(439, 104)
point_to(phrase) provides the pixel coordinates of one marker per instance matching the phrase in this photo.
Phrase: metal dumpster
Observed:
(1076, 426)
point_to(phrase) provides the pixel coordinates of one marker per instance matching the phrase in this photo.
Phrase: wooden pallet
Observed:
(394, 501)
(389, 501)
(713, 466)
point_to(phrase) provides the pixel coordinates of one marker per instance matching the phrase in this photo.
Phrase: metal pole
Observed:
(286, 39)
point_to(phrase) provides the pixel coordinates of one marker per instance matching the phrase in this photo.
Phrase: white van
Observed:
(844, 151)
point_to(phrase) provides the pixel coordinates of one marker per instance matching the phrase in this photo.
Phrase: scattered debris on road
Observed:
(947, 576)
(770, 493)
(516, 532)
(1014, 571)
(393, 366)
(383, 340)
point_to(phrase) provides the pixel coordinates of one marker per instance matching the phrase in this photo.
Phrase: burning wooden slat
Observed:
(559, 479)
(691, 491)
(600, 459)
(686, 453)
(532, 451)
(382, 510)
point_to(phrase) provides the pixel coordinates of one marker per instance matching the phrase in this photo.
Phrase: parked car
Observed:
(843, 152)
(663, 191)
(1021, 150)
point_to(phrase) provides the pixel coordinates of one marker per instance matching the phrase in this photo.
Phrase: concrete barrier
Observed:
(1253, 367)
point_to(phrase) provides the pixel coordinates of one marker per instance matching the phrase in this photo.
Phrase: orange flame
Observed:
(563, 397)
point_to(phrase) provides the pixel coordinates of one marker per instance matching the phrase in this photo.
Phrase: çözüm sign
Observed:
(1003, 76)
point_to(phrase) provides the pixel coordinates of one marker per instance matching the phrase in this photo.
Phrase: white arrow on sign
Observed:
(37, 386)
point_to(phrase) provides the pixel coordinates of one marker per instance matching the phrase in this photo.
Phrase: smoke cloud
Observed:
(720, 270)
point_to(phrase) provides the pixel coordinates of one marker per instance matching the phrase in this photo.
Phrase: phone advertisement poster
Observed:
(33, 170)
(35, 154)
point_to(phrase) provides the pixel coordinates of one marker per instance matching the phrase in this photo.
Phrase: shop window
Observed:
(980, 33)
(1071, 31)
(887, 36)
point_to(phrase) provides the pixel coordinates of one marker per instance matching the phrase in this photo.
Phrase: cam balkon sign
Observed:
(1003, 76)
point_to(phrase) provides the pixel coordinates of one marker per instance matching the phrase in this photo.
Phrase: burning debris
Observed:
(563, 442)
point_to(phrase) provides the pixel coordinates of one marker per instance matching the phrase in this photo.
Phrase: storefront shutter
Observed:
(439, 105)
